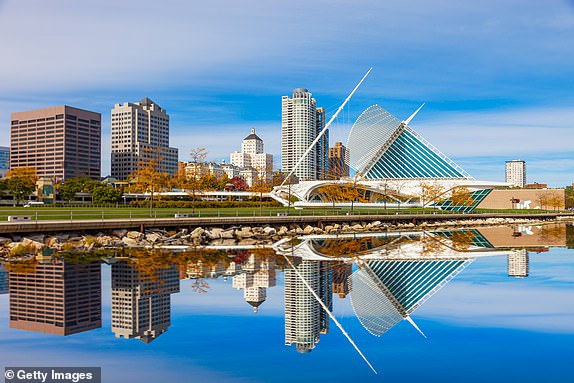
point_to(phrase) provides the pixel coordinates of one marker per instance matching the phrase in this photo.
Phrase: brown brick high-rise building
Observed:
(338, 166)
(57, 298)
(59, 142)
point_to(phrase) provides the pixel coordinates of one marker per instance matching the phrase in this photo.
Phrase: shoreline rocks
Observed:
(231, 236)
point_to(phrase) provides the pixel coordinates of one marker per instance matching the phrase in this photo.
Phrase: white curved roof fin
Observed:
(408, 120)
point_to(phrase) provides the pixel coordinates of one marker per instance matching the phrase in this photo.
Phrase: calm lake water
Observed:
(494, 305)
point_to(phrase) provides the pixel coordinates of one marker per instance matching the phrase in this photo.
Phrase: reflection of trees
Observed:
(570, 236)
(459, 240)
(430, 245)
(552, 233)
(22, 266)
(344, 247)
(462, 239)
(200, 285)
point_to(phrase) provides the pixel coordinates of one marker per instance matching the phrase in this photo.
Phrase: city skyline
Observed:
(496, 77)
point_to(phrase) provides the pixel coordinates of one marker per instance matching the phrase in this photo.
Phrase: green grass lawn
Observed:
(74, 213)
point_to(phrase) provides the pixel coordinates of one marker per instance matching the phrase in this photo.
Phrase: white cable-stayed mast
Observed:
(325, 128)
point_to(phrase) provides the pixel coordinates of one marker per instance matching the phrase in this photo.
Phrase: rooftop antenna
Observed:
(325, 128)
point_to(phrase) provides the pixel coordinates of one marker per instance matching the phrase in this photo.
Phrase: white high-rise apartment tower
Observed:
(301, 123)
(516, 172)
(140, 132)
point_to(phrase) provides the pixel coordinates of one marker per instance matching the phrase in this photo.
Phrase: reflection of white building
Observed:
(305, 319)
(200, 270)
(518, 264)
(257, 276)
(252, 156)
(141, 304)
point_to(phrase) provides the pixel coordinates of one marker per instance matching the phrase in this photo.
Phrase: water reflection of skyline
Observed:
(59, 298)
(394, 275)
(141, 303)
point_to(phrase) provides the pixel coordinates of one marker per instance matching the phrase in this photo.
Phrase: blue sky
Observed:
(496, 76)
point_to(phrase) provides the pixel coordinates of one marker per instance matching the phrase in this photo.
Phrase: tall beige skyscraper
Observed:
(516, 172)
(59, 142)
(140, 133)
(301, 123)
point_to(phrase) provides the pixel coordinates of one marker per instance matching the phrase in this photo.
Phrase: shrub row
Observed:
(204, 204)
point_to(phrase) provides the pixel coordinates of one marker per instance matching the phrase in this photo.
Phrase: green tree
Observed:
(106, 194)
(69, 189)
(21, 182)
(568, 197)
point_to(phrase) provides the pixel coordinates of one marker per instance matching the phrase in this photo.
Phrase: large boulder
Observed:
(308, 229)
(119, 233)
(227, 234)
(130, 242)
(31, 242)
(152, 237)
(197, 233)
(134, 235)
(244, 232)
(269, 231)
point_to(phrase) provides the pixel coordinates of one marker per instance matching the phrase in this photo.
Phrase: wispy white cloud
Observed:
(503, 305)
(222, 66)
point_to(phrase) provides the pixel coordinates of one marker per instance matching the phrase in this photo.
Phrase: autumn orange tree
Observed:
(430, 192)
(21, 182)
(461, 196)
(331, 193)
(261, 185)
(149, 178)
(351, 192)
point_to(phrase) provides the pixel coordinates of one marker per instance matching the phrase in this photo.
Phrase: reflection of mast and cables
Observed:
(328, 311)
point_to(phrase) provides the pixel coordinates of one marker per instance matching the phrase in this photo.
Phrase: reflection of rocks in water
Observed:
(243, 235)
